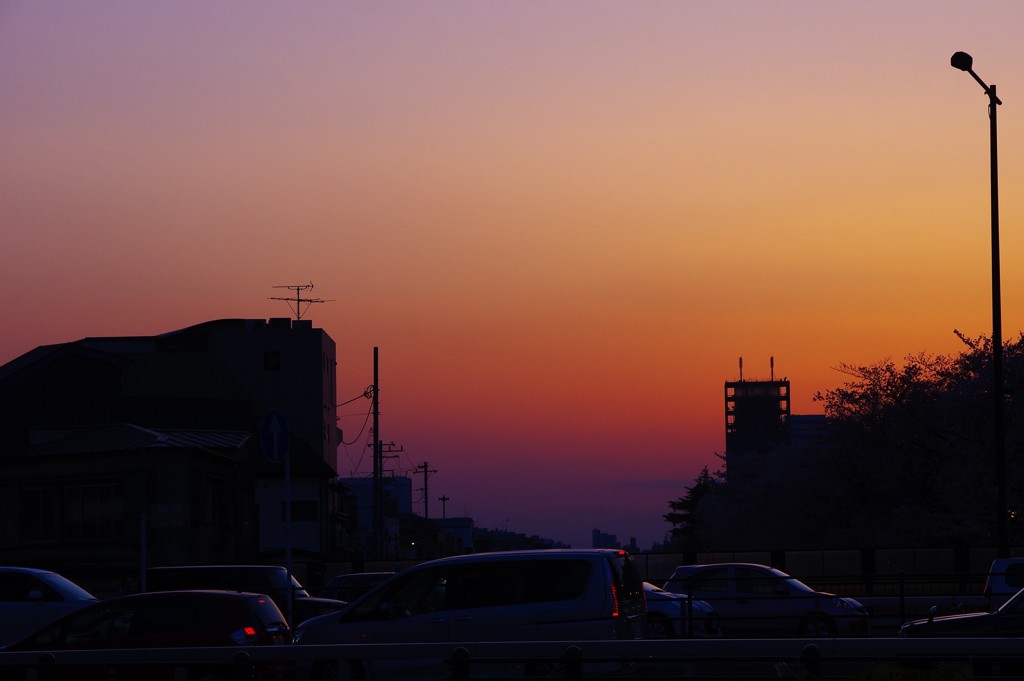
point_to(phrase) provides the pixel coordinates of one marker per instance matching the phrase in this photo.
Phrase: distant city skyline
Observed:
(560, 223)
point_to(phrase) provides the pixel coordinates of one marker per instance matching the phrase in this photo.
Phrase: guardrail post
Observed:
(810, 662)
(459, 663)
(44, 669)
(573, 658)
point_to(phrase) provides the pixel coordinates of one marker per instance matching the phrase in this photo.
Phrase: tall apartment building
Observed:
(757, 414)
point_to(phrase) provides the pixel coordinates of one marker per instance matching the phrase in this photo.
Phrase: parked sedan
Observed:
(30, 598)
(1007, 620)
(273, 580)
(757, 600)
(670, 615)
(167, 619)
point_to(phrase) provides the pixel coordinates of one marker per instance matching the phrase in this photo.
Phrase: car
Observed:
(1005, 578)
(166, 619)
(758, 600)
(1007, 620)
(353, 585)
(669, 615)
(538, 595)
(32, 597)
(273, 580)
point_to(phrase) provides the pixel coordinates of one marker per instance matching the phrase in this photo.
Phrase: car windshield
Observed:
(68, 589)
(1013, 606)
(298, 589)
(797, 585)
(277, 578)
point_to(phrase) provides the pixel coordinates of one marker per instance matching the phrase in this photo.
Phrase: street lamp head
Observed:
(965, 62)
(962, 61)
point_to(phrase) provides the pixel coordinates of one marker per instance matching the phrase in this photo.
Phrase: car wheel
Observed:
(817, 624)
(659, 627)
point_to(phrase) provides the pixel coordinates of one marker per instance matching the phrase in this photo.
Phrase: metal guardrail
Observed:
(826, 660)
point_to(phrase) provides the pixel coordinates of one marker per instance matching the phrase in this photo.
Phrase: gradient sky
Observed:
(561, 222)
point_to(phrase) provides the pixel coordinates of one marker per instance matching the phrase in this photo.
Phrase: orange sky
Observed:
(562, 223)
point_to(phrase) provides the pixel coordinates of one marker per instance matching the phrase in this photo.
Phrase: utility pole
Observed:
(378, 469)
(444, 499)
(426, 470)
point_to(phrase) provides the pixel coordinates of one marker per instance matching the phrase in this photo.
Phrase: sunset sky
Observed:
(561, 222)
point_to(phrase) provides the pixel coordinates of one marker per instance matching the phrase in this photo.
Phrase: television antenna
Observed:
(296, 303)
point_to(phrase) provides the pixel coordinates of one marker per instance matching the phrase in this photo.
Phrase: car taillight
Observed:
(246, 636)
(615, 601)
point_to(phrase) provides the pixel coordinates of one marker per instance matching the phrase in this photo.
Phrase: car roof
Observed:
(355, 575)
(191, 593)
(28, 570)
(218, 567)
(757, 566)
(526, 554)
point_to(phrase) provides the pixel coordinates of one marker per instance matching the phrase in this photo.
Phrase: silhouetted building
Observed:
(458, 534)
(603, 540)
(806, 430)
(112, 444)
(396, 503)
(756, 417)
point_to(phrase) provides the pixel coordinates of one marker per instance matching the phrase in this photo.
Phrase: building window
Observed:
(40, 514)
(302, 511)
(94, 512)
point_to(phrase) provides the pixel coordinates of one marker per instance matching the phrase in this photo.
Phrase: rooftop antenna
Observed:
(771, 363)
(298, 299)
(741, 368)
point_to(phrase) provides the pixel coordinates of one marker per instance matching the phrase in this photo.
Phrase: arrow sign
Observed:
(274, 436)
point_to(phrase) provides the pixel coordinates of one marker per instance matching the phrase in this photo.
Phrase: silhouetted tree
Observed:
(684, 515)
(906, 461)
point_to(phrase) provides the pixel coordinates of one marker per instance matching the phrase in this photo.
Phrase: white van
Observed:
(545, 595)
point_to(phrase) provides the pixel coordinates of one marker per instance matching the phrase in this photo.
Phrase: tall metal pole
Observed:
(1002, 539)
(964, 62)
(378, 469)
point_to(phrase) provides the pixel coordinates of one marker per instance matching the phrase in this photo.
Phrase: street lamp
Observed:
(964, 62)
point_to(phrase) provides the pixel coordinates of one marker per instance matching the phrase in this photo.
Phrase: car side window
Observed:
(20, 587)
(715, 580)
(758, 583)
(174, 616)
(1015, 575)
(484, 585)
(423, 592)
(558, 580)
(99, 625)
